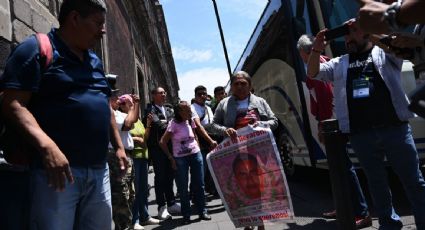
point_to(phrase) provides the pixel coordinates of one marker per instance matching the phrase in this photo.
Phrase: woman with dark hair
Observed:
(186, 153)
(241, 109)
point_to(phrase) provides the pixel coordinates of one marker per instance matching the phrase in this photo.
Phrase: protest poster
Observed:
(249, 177)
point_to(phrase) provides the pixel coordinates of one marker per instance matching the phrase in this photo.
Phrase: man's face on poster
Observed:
(249, 178)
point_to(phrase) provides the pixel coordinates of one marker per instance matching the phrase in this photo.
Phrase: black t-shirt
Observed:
(368, 98)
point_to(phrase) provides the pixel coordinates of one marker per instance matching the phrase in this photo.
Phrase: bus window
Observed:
(306, 15)
(336, 12)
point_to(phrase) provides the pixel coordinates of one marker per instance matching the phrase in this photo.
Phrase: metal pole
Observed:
(222, 38)
(335, 145)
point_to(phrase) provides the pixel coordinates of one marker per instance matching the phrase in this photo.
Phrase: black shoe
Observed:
(205, 217)
(185, 220)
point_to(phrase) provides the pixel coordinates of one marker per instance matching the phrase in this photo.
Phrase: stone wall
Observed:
(133, 47)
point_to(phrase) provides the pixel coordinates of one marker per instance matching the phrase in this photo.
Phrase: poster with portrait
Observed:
(249, 177)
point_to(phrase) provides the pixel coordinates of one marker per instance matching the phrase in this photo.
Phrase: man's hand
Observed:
(57, 168)
(173, 163)
(371, 17)
(319, 43)
(122, 159)
(231, 132)
(149, 120)
(136, 98)
(213, 144)
(406, 40)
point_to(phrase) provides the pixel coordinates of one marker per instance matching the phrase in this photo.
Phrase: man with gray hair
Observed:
(320, 92)
(321, 106)
(62, 112)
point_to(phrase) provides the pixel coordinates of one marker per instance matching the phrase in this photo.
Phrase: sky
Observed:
(196, 43)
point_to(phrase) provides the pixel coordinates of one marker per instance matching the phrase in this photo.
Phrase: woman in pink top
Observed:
(186, 153)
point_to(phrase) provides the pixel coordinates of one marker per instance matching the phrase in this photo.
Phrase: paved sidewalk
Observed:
(310, 197)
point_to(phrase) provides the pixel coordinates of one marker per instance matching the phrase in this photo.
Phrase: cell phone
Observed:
(337, 32)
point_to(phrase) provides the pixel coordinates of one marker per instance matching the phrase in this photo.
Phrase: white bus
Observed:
(278, 74)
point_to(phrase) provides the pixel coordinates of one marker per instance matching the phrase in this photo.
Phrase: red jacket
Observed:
(321, 103)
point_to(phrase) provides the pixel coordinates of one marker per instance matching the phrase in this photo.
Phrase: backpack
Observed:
(14, 150)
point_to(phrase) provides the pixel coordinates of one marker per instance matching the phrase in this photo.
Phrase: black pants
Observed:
(209, 182)
(14, 200)
(164, 177)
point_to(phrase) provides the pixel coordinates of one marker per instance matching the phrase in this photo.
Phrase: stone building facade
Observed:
(136, 46)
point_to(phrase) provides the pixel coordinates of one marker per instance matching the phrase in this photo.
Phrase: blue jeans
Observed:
(195, 162)
(397, 145)
(86, 204)
(140, 206)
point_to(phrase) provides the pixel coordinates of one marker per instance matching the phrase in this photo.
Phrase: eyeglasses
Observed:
(201, 94)
(162, 93)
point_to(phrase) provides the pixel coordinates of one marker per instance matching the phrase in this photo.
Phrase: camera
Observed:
(337, 32)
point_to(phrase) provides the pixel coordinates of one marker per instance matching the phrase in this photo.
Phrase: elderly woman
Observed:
(242, 108)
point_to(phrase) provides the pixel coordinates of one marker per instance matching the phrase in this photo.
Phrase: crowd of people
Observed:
(90, 148)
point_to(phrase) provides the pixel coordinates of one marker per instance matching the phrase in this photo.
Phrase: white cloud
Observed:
(208, 77)
(191, 55)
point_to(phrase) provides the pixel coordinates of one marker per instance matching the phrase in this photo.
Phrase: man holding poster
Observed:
(246, 167)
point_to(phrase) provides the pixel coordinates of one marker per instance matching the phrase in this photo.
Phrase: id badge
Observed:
(360, 88)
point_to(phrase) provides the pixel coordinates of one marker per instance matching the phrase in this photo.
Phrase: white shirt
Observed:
(162, 108)
(200, 112)
(126, 138)
(243, 104)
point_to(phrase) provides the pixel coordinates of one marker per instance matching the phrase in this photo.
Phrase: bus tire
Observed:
(285, 156)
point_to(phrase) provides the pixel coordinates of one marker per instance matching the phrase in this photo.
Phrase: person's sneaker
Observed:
(363, 222)
(329, 215)
(205, 216)
(175, 208)
(151, 221)
(163, 213)
(137, 226)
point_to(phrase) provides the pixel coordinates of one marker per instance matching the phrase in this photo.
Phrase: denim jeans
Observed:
(140, 206)
(164, 177)
(397, 145)
(85, 204)
(196, 165)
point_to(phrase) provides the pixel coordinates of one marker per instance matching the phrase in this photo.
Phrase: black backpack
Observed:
(14, 150)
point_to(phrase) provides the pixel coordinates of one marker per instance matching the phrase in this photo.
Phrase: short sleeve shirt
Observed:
(126, 138)
(183, 138)
(204, 113)
(139, 151)
(69, 100)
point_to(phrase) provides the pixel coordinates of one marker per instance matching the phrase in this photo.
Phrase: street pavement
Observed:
(311, 196)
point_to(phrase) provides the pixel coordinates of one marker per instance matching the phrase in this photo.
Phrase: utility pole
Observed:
(222, 38)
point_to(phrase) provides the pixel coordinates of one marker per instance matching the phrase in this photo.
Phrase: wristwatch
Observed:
(390, 16)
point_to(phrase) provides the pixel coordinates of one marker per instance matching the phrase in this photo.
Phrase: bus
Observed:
(278, 74)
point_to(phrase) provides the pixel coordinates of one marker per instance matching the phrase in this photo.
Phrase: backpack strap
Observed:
(46, 50)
